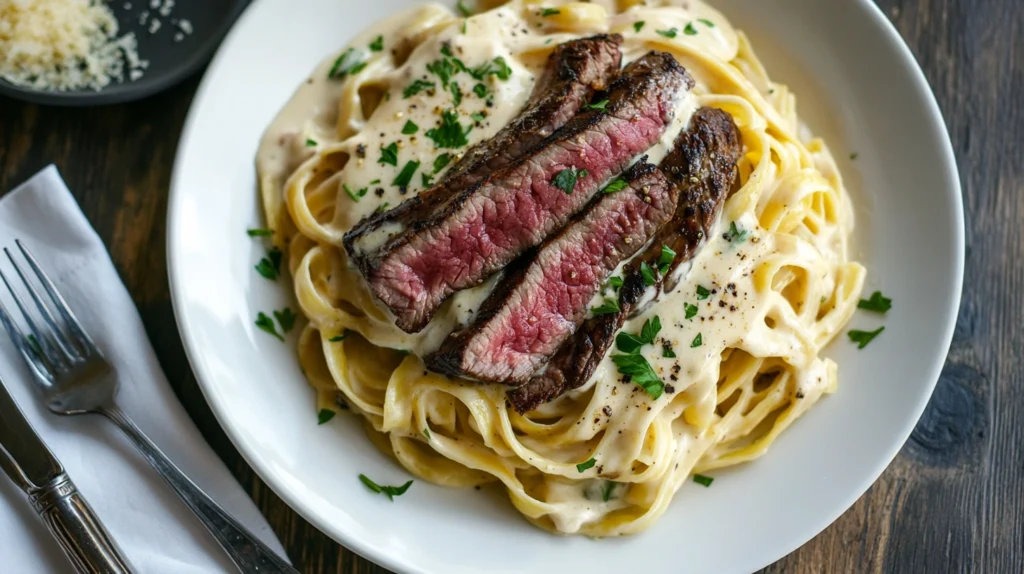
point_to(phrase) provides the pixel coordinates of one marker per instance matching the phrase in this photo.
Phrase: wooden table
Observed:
(952, 501)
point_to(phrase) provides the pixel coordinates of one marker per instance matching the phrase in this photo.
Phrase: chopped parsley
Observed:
(389, 154)
(426, 433)
(670, 33)
(377, 44)
(607, 308)
(689, 30)
(266, 324)
(286, 317)
(862, 338)
(640, 372)
(877, 303)
(601, 105)
(463, 9)
(33, 344)
(324, 415)
(425, 179)
(639, 25)
(565, 180)
(630, 343)
(259, 232)
(702, 293)
(444, 69)
(478, 117)
(480, 90)
(706, 22)
(339, 338)
(666, 258)
(410, 127)
(617, 184)
(270, 266)
(550, 12)
(607, 489)
(456, 93)
(355, 195)
(735, 234)
(702, 480)
(586, 465)
(496, 67)
(349, 62)
(390, 491)
(405, 176)
(648, 274)
(450, 133)
(667, 352)
(691, 310)
(615, 281)
(417, 87)
(382, 207)
(697, 341)
(441, 161)
(310, 143)
(853, 155)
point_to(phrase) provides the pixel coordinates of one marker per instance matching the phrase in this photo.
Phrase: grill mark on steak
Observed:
(702, 164)
(575, 70)
(488, 225)
(543, 300)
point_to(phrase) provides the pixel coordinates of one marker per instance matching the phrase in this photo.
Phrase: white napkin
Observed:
(154, 528)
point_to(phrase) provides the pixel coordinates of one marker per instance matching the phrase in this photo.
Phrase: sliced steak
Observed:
(486, 226)
(702, 164)
(540, 304)
(575, 70)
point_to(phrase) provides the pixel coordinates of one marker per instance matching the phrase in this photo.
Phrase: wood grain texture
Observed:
(953, 499)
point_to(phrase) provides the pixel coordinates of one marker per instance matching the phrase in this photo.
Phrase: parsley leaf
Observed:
(339, 338)
(607, 308)
(480, 90)
(607, 489)
(355, 195)
(616, 184)
(417, 87)
(689, 30)
(586, 465)
(550, 12)
(565, 180)
(410, 127)
(286, 317)
(266, 269)
(648, 274)
(382, 207)
(667, 352)
(441, 161)
(736, 234)
(637, 26)
(425, 179)
(266, 324)
(450, 133)
(444, 69)
(702, 293)
(706, 22)
(691, 311)
(389, 491)
(324, 415)
(456, 93)
(702, 480)
(615, 281)
(650, 329)
(463, 9)
(478, 117)
(862, 338)
(310, 143)
(630, 343)
(670, 33)
(259, 232)
(640, 372)
(667, 256)
(389, 154)
(377, 44)
(405, 176)
(697, 341)
(601, 105)
(876, 303)
(496, 67)
(349, 62)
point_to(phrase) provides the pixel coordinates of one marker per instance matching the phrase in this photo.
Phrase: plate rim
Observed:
(355, 544)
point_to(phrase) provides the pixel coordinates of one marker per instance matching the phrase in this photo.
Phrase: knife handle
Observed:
(78, 530)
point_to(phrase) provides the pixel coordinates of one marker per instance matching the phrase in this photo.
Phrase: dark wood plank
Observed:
(952, 501)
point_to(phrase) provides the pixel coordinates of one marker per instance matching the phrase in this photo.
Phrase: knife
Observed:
(31, 465)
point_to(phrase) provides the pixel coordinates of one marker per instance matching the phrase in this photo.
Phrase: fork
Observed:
(74, 378)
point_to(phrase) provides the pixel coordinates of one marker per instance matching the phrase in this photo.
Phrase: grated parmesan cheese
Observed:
(64, 45)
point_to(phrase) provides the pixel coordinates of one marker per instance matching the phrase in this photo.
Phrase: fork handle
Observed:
(81, 535)
(247, 552)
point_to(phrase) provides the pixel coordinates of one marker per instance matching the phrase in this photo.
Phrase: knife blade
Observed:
(23, 445)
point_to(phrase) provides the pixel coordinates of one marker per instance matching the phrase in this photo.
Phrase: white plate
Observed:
(858, 86)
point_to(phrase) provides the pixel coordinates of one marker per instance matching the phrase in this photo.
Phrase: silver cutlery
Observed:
(74, 378)
(31, 465)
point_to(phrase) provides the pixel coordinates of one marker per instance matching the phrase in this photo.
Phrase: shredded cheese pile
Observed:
(64, 45)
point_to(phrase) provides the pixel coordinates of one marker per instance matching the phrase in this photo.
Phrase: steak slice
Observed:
(486, 226)
(544, 299)
(702, 164)
(575, 70)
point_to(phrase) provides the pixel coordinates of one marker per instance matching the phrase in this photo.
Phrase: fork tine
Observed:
(22, 343)
(65, 347)
(62, 306)
(45, 346)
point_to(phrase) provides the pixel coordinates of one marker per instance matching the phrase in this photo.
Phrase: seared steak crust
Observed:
(540, 303)
(702, 164)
